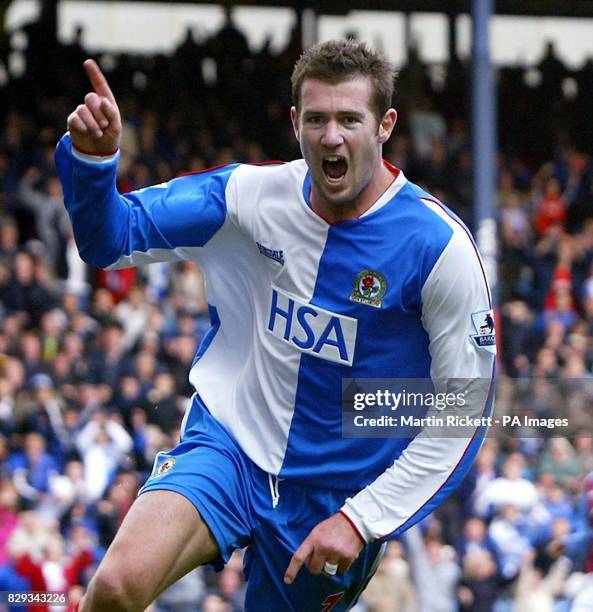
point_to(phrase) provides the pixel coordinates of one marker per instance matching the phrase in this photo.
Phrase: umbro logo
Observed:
(271, 253)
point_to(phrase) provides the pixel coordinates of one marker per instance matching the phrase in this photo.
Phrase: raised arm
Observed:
(164, 222)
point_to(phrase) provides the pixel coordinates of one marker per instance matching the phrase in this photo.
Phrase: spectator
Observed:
(434, 570)
(44, 199)
(187, 288)
(103, 444)
(111, 360)
(9, 240)
(507, 532)
(391, 589)
(43, 414)
(9, 507)
(427, 127)
(215, 603)
(232, 587)
(510, 489)
(551, 208)
(132, 314)
(25, 294)
(560, 460)
(583, 443)
(535, 590)
(478, 588)
(184, 595)
(32, 468)
(7, 406)
(32, 356)
(475, 538)
(164, 410)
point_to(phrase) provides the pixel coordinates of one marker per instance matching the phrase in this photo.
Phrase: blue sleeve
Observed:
(578, 545)
(185, 212)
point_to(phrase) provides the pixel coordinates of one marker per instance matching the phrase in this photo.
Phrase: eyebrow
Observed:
(341, 113)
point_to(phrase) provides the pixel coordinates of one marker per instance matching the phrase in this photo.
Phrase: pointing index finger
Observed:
(300, 557)
(98, 80)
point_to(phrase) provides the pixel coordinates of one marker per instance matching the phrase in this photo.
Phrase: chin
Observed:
(338, 199)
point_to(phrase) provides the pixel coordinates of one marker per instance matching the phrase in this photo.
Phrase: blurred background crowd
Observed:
(94, 365)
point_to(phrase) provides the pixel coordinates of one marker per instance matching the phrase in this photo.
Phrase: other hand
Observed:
(333, 541)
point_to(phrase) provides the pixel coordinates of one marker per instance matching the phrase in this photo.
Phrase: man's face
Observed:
(340, 136)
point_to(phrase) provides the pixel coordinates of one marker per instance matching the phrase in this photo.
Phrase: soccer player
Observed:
(329, 267)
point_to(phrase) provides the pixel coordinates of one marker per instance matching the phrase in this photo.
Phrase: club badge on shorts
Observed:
(369, 288)
(163, 464)
(484, 337)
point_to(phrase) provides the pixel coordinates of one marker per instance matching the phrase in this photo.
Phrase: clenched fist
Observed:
(95, 126)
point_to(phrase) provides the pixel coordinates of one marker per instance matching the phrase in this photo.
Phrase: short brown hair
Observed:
(339, 60)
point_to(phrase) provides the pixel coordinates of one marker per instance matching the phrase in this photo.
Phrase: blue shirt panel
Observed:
(401, 241)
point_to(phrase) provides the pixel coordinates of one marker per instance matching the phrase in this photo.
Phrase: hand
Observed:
(465, 596)
(529, 556)
(333, 541)
(95, 126)
(555, 548)
(32, 175)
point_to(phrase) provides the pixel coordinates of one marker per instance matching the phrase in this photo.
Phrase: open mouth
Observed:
(334, 167)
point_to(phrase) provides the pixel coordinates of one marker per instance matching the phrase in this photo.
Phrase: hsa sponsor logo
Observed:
(311, 329)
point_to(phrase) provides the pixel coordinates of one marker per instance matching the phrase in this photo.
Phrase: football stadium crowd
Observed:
(94, 364)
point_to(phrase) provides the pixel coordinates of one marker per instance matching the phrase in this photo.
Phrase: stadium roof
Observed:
(549, 8)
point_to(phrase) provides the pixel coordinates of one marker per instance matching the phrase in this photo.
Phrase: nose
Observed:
(332, 136)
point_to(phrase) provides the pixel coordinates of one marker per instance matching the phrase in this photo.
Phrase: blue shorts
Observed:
(245, 507)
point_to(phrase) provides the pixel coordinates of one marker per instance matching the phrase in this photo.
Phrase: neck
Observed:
(335, 213)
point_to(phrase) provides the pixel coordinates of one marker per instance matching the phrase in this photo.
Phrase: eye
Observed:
(350, 120)
(314, 119)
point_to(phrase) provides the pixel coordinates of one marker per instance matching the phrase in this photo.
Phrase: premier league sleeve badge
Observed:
(484, 336)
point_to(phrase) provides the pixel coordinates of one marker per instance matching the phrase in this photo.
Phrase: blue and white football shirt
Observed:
(297, 305)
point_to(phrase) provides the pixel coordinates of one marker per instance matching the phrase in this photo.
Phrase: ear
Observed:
(387, 124)
(294, 117)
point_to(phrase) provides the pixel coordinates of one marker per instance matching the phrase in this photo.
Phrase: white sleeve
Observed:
(457, 316)
(120, 438)
(86, 436)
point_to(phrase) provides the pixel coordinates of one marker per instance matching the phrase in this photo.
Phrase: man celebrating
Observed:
(329, 267)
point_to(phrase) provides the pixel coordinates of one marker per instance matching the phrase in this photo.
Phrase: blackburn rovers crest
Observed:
(369, 288)
(166, 466)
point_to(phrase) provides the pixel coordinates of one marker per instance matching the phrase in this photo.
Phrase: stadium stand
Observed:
(93, 365)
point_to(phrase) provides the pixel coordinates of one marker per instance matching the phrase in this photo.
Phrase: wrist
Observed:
(353, 526)
(363, 517)
(94, 157)
(82, 151)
